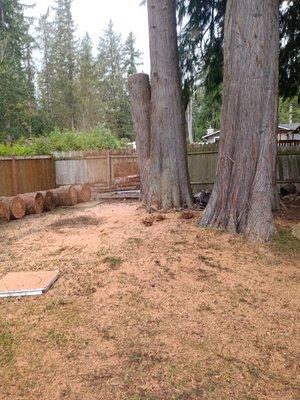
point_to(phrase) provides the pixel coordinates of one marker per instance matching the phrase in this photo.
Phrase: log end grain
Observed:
(39, 203)
(17, 207)
(84, 193)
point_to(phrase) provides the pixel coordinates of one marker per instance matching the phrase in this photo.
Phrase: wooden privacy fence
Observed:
(29, 174)
(202, 161)
(104, 167)
(74, 167)
(26, 174)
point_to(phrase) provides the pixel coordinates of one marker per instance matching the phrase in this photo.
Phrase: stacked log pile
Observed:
(17, 207)
(128, 182)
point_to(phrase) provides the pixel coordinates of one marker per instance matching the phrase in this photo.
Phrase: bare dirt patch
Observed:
(76, 222)
(168, 311)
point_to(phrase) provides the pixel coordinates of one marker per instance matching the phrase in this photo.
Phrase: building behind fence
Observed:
(29, 174)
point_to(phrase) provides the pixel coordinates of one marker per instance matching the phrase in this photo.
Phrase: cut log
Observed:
(15, 205)
(50, 203)
(65, 196)
(84, 193)
(34, 202)
(4, 213)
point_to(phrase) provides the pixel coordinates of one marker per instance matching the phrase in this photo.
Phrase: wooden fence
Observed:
(203, 160)
(26, 174)
(102, 168)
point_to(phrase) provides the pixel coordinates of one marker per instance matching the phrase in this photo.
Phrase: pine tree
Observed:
(113, 98)
(16, 80)
(132, 56)
(86, 85)
(45, 76)
(63, 54)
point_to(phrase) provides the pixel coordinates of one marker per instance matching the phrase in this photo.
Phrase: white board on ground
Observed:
(34, 283)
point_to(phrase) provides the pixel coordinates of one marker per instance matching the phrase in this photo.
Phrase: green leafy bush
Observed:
(96, 139)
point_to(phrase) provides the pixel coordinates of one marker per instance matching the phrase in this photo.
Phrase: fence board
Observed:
(26, 174)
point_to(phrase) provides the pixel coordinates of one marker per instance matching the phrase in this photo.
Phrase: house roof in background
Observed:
(211, 134)
(289, 127)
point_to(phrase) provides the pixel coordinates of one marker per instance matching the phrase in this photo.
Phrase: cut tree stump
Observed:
(34, 202)
(4, 213)
(84, 193)
(15, 205)
(65, 196)
(50, 203)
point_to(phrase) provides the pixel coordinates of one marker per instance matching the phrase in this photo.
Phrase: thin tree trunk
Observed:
(168, 172)
(189, 118)
(242, 197)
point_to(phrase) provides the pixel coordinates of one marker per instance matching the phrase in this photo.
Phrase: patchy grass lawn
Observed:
(162, 311)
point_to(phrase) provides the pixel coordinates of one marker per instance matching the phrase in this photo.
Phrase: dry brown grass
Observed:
(163, 312)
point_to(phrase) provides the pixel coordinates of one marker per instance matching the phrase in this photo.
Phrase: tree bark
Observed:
(242, 196)
(168, 173)
(140, 94)
(4, 212)
(49, 198)
(34, 202)
(65, 196)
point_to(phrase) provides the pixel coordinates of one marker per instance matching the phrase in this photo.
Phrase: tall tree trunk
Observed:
(140, 94)
(242, 197)
(166, 185)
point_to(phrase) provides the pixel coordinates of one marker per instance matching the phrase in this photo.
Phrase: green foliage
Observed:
(132, 56)
(284, 110)
(16, 72)
(206, 112)
(201, 45)
(96, 139)
(285, 242)
(112, 89)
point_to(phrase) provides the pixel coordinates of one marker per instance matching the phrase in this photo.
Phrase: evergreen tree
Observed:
(63, 54)
(45, 76)
(132, 56)
(113, 98)
(201, 46)
(87, 84)
(16, 73)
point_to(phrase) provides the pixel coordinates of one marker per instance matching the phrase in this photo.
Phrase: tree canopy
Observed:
(201, 45)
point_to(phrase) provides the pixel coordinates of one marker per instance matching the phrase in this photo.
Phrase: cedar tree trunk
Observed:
(161, 130)
(242, 196)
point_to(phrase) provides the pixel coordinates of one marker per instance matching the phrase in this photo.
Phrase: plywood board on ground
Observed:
(34, 283)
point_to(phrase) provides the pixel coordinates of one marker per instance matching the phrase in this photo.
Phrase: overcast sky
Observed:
(92, 16)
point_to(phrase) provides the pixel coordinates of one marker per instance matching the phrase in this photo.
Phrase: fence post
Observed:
(108, 169)
(14, 176)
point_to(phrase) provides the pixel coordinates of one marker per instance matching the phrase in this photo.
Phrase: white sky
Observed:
(92, 16)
